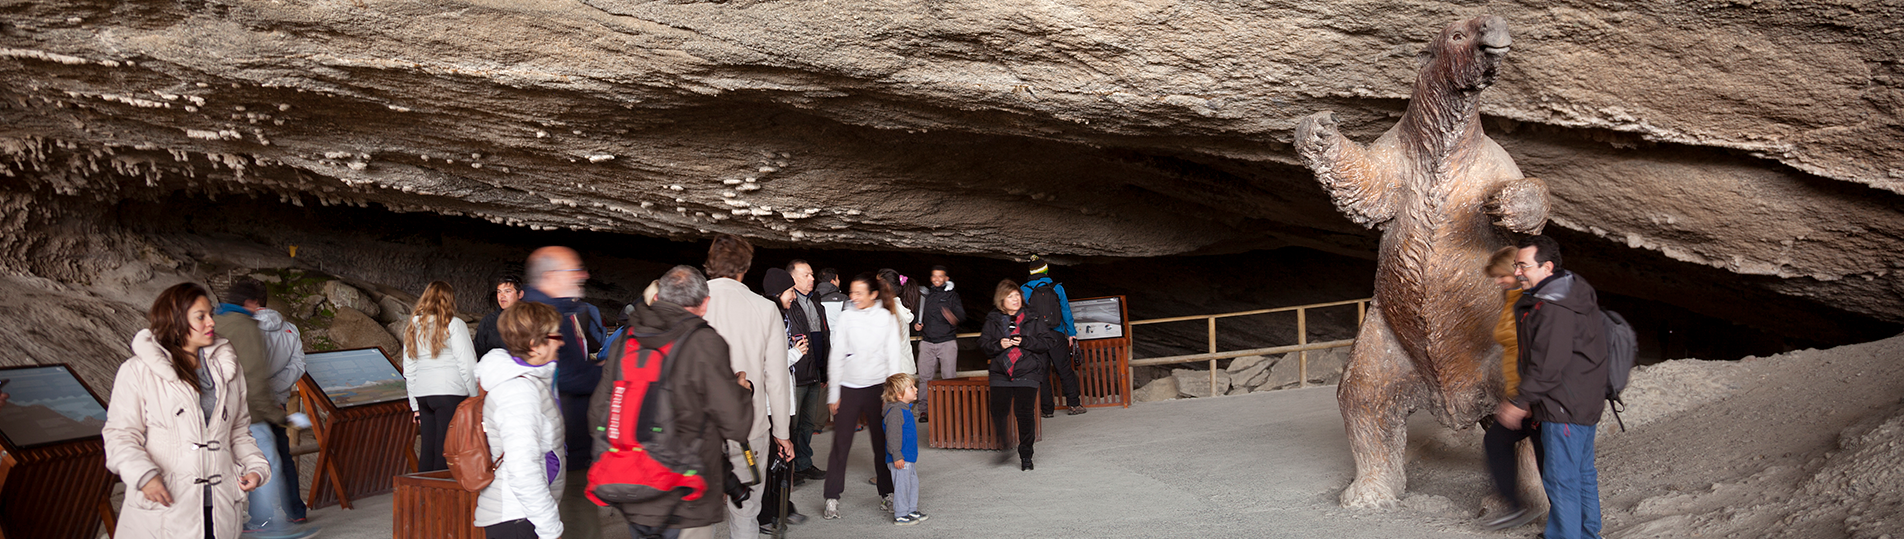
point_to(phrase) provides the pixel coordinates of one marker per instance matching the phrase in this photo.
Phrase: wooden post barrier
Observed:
(360, 447)
(431, 505)
(52, 487)
(1104, 372)
(960, 409)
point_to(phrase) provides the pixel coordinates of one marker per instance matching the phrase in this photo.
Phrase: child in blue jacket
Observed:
(902, 447)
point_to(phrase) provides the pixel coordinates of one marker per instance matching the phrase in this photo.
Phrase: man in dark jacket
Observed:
(555, 279)
(508, 292)
(937, 322)
(707, 399)
(807, 319)
(827, 292)
(1563, 369)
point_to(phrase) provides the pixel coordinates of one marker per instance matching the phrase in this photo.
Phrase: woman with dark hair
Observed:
(439, 368)
(1016, 344)
(524, 427)
(863, 355)
(905, 303)
(179, 434)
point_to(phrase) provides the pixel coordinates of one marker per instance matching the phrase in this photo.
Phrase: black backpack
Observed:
(1043, 304)
(1622, 353)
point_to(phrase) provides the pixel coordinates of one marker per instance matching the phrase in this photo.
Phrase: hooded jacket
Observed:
(866, 350)
(1563, 351)
(574, 373)
(525, 430)
(451, 371)
(283, 352)
(706, 400)
(155, 427)
(832, 300)
(932, 307)
(236, 325)
(1030, 366)
(810, 368)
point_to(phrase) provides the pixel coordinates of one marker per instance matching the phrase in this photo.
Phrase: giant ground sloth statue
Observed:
(1445, 197)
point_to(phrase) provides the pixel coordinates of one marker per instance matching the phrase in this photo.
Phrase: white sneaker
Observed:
(832, 511)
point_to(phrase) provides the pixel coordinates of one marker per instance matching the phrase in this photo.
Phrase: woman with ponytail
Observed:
(864, 353)
(178, 431)
(439, 367)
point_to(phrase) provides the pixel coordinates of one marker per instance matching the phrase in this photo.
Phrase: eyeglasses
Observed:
(1525, 267)
(571, 269)
(557, 337)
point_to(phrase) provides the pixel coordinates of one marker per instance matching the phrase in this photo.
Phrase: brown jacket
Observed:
(248, 343)
(1510, 348)
(707, 400)
(155, 425)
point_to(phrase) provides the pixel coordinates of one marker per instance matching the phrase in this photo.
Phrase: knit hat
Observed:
(1038, 265)
(776, 282)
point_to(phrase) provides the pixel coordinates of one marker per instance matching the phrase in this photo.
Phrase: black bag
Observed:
(1622, 353)
(1043, 304)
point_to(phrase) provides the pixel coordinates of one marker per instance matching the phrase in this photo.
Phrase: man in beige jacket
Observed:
(757, 345)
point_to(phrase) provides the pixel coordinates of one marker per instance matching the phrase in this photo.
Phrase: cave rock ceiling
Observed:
(1758, 139)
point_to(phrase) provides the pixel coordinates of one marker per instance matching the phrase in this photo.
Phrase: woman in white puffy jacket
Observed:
(439, 367)
(524, 427)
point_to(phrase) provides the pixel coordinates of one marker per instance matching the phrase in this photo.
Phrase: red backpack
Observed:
(647, 457)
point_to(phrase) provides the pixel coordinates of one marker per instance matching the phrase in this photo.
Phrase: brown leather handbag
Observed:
(466, 445)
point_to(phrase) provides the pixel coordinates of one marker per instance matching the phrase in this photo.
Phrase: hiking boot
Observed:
(905, 520)
(1075, 410)
(832, 510)
(812, 472)
(885, 503)
(1024, 465)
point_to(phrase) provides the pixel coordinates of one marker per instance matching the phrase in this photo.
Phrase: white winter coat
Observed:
(524, 428)
(155, 425)
(452, 371)
(864, 350)
(904, 317)
(283, 352)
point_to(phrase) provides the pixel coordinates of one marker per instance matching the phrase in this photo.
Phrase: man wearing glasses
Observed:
(555, 279)
(1563, 370)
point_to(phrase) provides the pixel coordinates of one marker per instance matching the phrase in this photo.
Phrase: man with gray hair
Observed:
(706, 399)
(556, 278)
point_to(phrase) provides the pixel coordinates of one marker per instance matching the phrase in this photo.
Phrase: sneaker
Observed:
(885, 503)
(905, 520)
(1048, 414)
(1511, 519)
(832, 510)
(1024, 465)
(917, 516)
(796, 519)
(812, 472)
(767, 530)
(1075, 410)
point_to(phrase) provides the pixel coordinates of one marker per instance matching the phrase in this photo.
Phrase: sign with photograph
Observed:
(1100, 318)
(47, 404)
(356, 377)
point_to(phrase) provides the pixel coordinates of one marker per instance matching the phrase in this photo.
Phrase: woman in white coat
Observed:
(178, 431)
(865, 351)
(524, 427)
(439, 367)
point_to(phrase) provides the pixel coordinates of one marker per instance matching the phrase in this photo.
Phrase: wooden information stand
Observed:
(1104, 363)
(431, 505)
(361, 447)
(51, 489)
(960, 409)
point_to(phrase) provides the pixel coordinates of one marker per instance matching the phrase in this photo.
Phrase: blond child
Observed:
(902, 446)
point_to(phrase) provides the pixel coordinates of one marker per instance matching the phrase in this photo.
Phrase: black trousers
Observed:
(519, 528)
(1014, 401)
(856, 404)
(1502, 460)
(435, 412)
(1067, 377)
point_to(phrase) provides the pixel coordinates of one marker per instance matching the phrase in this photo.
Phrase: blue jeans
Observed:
(1572, 482)
(268, 498)
(293, 503)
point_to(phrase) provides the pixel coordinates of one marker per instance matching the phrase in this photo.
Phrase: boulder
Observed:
(354, 329)
(1161, 389)
(395, 308)
(1196, 383)
(345, 296)
(1253, 374)
(1326, 366)
(397, 328)
(1238, 390)
(1285, 374)
(308, 306)
(1244, 363)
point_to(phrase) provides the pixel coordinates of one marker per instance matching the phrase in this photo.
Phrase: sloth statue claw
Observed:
(1445, 196)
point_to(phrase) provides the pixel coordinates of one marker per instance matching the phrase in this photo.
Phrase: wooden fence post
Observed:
(1302, 338)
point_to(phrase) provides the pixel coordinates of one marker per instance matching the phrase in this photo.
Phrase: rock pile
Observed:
(1248, 374)
(334, 314)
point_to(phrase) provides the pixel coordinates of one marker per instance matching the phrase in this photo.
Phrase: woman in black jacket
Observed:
(1016, 344)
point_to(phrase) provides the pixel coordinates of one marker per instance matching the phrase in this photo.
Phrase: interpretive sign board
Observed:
(356, 377)
(365, 432)
(1098, 318)
(47, 405)
(53, 478)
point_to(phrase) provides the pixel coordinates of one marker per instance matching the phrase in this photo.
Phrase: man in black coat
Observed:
(937, 323)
